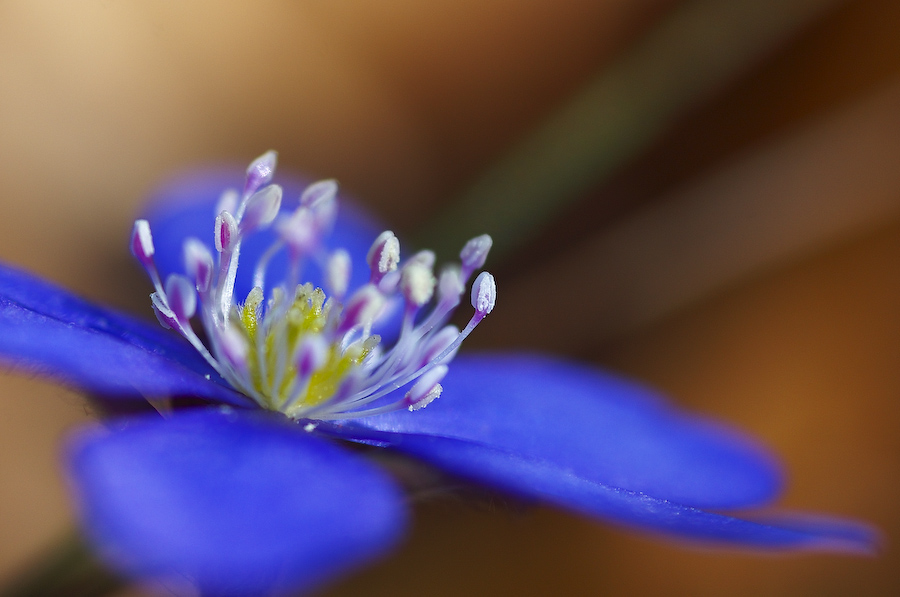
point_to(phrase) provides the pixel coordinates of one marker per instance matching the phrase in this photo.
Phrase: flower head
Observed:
(297, 349)
(252, 495)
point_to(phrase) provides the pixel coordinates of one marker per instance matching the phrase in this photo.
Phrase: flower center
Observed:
(305, 353)
(279, 380)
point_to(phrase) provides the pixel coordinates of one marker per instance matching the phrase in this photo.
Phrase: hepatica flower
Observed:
(304, 332)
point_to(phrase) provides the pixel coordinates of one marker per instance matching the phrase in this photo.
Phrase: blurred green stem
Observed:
(695, 50)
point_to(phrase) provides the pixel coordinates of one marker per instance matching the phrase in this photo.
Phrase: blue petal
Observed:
(46, 330)
(602, 428)
(534, 477)
(185, 208)
(234, 503)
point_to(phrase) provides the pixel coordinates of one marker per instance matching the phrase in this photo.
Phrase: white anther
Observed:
(484, 293)
(475, 253)
(439, 343)
(142, 242)
(427, 389)
(298, 231)
(261, 171)
(384, 255)
(311, 355)
(234, 347)
(262, 207)
(376, 245)
(226, 232)
(319, 193)
(181, 297)
(337, 274)
(162, 311)
(198, 263)
(417, 283)
(228, 201)
(450, 285)
(362, 308)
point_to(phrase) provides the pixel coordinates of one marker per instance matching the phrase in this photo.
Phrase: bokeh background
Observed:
(740, 252)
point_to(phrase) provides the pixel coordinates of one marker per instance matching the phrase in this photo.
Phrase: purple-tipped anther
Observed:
(319, 193)
(163, 313)
(262, 207)
(362, 308)
(142, 248)
(383, 256)
(427, 388)
(474, 254)
(299, 232)
(142, 242)
(438, 343)
(226, 236)
(484, 294)
(233, 348)
(326, 214)
(228, 201)
(311, 355)
(181, 298)
(450, 286)
(260, 171)
(198, 263)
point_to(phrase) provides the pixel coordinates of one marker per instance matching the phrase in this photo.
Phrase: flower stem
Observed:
(690, 54)
(69, 567)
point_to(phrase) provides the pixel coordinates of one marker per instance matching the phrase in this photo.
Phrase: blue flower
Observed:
(250, 493)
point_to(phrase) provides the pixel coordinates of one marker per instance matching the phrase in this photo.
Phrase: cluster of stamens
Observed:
(307, 352)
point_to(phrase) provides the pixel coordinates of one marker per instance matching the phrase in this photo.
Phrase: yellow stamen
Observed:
(307, 314)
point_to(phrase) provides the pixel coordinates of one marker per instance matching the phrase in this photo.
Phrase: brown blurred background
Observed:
(745, 258)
